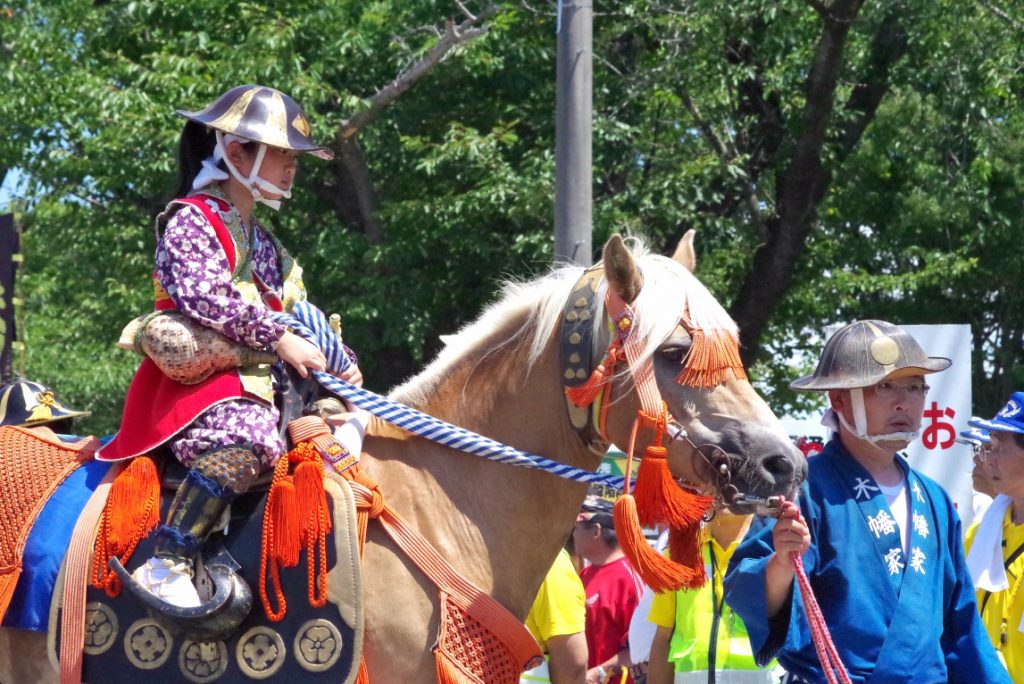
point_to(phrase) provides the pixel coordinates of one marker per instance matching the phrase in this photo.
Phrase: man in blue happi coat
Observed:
(881, 543)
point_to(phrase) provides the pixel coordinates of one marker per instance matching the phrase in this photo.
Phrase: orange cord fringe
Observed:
(709, 358)
(132, 511)
(296, 518)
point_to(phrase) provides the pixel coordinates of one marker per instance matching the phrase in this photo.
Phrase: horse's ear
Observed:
(684, 253)
(621, 270)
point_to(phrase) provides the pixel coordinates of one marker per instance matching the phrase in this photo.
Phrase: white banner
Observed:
(936, 453)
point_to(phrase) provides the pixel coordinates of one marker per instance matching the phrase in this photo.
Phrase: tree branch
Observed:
(819, 7)
(354, 163)
(999, 12)
(727, 154)
(800, 187)
(887, 48)
(350, 168)
(453, 36)
(350, 192)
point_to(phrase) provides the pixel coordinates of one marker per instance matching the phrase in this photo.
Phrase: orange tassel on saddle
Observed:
(296, 517)
(131, 512)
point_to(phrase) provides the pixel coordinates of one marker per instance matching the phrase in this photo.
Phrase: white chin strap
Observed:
(860, 420)
(254, 184)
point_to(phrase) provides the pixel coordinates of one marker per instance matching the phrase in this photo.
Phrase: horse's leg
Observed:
(23, 658)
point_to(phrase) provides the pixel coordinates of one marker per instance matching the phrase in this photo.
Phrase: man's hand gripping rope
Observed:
(791, 539)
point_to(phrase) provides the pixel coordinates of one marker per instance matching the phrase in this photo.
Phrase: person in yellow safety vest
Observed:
(995, 543)
(557, 621)
(697, 627)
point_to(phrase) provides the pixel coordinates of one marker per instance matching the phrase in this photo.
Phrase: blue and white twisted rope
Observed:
(310, 323)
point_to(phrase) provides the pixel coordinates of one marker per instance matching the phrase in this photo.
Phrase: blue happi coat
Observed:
(894, 616)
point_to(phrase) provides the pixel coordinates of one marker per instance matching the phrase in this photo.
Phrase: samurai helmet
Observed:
(864, 353)
(257, 114)
(29, 404)
(263, 115)
(861, 355)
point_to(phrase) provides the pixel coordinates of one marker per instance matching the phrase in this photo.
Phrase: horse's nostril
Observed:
(778, 466)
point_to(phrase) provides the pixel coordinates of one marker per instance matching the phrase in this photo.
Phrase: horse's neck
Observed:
(499, 525)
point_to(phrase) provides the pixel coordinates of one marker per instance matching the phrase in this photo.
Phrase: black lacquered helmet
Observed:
(263, 115)
(864, 353)
(25, 403)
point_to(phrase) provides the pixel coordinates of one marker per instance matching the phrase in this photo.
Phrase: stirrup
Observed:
(169, 580)
(214, 619)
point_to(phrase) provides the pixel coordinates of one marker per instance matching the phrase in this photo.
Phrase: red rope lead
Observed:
(835, 672)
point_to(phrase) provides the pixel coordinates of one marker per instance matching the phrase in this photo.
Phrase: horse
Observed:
(500, 526)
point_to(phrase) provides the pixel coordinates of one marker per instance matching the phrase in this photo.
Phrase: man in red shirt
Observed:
(613, 590)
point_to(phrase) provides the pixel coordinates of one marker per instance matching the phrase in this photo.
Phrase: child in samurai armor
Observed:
(218, 266)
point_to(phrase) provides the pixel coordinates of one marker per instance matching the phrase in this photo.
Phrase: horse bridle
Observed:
(577, 349)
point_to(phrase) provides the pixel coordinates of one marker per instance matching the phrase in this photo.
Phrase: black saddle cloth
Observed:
(125, 644)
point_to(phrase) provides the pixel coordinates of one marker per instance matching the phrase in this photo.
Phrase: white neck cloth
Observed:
(985, 559)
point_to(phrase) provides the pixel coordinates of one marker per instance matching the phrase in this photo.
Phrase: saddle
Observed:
(479, 640)
(124, 642)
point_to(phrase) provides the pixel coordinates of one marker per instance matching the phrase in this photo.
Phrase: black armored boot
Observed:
(212, 483)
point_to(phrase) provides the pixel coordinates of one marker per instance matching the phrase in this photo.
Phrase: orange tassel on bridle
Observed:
(709, 359)
(658, 572)
(585, 394)
(659, 498)
(660, 501)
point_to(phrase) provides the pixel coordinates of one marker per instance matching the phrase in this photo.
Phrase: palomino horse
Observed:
(501, 526)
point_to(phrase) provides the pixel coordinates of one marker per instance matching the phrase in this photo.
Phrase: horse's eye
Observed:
(674, 353)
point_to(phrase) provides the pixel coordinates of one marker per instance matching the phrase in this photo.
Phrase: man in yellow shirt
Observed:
(995, 544)
(557, 621)
(696, 628)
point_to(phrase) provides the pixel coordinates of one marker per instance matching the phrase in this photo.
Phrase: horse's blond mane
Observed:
(525, 316)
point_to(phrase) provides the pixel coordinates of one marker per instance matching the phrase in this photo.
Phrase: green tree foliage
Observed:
(839, 159)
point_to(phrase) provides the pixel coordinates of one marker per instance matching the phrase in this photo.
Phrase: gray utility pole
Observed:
(573, 126)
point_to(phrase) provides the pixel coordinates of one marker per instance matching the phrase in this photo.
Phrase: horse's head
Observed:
(721, 436)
